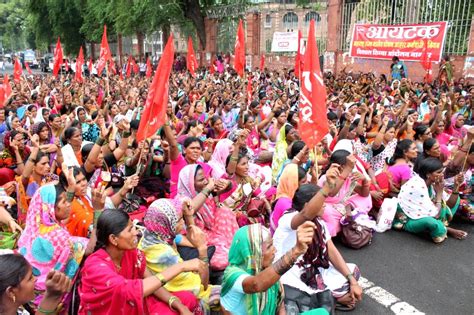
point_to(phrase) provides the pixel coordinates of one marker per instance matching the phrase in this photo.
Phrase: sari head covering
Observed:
(288, 183)
(246, 257)
(458, 132)
(7, 156)
(160, 221)
(414, 199)
(219, 156)
(45, 243)
(39, 115)
(280, 154)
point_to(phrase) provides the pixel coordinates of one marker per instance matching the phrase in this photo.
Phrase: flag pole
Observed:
(107, 76)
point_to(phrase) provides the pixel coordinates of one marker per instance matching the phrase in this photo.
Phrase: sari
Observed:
(417, 213)
(218, 158)
(377, 162)
(335, 206)
(219, 223)
(280, 155)
(286, 189)
(245, 258)
(458, 132)
(157, 243)
(106, 289)
(81, 217)
(46, 244)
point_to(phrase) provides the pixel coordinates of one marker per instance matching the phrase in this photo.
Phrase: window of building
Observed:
(312, 16)
(290, 21)
(268, 21)
(268, 45)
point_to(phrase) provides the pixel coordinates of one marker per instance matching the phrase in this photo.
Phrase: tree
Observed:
(13, 24)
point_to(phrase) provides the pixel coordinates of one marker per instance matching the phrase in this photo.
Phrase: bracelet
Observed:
(205, 192)
(325, 195)
(69, 196)
(167, 123)
(100, 141)
(41, 310)
(170, 302)
(349, 277)
(126, 134)
(455, 192)
(19, 163)
(204, 259)
(296, 159)
(281, 266)
(162, 279)
(233, 158)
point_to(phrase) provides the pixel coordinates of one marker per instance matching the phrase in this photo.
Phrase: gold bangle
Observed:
(162, 279)
(170, 302)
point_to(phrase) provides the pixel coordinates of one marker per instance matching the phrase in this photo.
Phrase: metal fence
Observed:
(458, 14)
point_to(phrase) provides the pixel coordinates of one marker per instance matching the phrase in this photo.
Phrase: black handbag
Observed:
(297, 301)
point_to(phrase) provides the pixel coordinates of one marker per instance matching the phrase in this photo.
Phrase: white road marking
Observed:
(387, 299)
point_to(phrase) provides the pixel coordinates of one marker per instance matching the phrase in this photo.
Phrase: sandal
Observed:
(344, 307)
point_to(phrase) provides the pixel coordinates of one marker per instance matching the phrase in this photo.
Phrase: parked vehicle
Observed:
(46, 63)
(29, 56)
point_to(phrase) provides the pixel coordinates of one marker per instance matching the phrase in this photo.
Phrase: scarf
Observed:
(160, 221)
(280, 154)
(288, 183)
(219, 156)
(45, 243)
(414, 199)
(245, 257)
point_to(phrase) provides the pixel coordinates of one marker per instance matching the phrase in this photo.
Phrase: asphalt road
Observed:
(434, 279)
(9, 69)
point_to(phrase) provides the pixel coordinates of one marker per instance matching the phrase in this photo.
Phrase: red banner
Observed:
(407, 41)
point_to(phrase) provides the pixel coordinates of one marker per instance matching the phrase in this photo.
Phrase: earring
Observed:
(14, 299)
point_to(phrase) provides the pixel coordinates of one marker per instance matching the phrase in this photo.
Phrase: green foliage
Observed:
(13, 24)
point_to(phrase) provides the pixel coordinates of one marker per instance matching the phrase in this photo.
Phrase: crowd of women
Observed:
(225, 209)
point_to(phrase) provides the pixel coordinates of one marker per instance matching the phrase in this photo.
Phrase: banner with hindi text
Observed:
(407, 41)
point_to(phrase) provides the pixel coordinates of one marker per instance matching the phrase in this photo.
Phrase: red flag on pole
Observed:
(66, 65)
(426, 62)
(90, 65)
(249, 91)
(17, 71)
(6, 86)
(262, 62)
(105, 54)
(79, 63)
(149, 68)
(212, 68)
(2, 96)
(27, 67)
(157, 100)
(129, 67)
(313, 124)
(112, 66)
(299, 56)
(136, 68)
(191, 61)
(239, 52)
(58, 58)
(120, 75)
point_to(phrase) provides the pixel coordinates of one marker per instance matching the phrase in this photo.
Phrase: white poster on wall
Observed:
(285, 42)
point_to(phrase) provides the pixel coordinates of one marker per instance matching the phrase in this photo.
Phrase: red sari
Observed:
(106, 290)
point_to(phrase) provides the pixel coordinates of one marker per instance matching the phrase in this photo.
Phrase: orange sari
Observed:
(81, 217)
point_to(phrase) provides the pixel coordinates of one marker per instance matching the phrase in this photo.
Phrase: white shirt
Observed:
(284, 239)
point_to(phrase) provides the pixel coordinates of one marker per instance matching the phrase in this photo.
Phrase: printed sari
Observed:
(219, 223)
(45, 242)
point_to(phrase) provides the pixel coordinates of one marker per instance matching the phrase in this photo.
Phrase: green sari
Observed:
(245, 257)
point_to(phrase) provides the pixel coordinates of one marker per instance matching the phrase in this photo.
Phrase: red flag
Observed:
(66, 65)
(249, 91)
(149, 68)
(17, 71)
(239, 52)
(212, 67)
(105, 54)
(153, 115)
(90, 65)
(2, 96)
(7, 87)
(79, 63)
(27, 67)
(136, 68)
(100, 97)
(313, 124)
(120, 75)
(58, 58)
(129, 67)
(262, 62)
(191, 61)
(426, 62)
(299, 56)
(112, 66)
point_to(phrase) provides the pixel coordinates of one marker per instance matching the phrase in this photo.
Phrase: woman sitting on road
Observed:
(425, 207)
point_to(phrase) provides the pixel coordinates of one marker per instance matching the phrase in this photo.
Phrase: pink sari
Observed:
(106, 290)
(218, 223)
(335, 210)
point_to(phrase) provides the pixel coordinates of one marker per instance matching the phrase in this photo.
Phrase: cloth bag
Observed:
(355, 235)
(386, 214)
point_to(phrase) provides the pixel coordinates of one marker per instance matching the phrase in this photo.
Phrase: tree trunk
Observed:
(166, 29)
(93, 50)
(140, 37)
(119, 48)
(192, 11)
